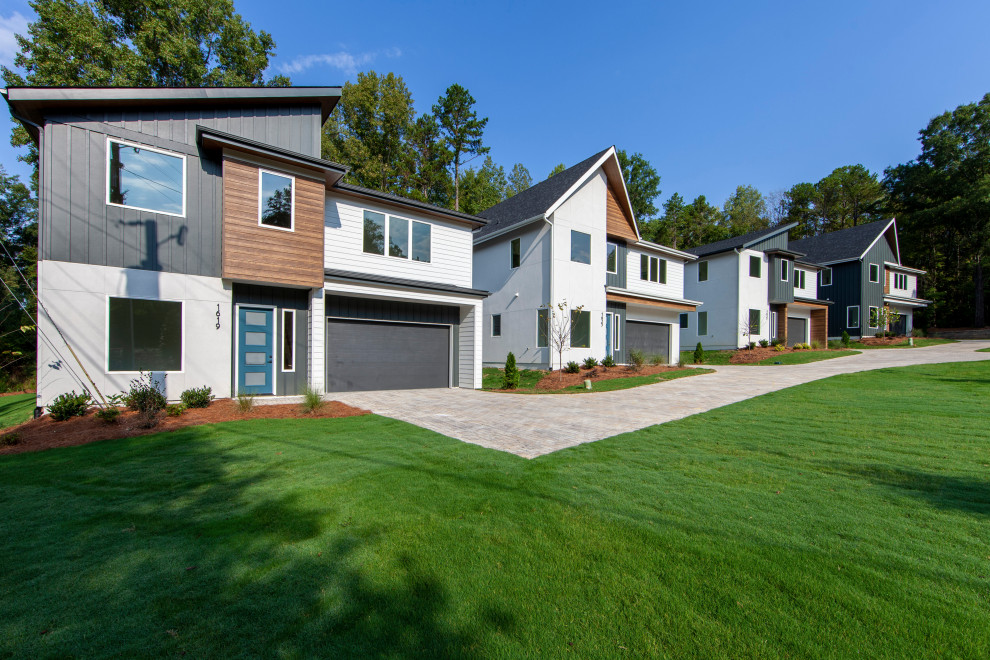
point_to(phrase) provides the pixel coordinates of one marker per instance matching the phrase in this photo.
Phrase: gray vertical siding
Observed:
(775, 242)
(77, 224)
(872, 292)
(618, 278)
(286, 382)
(620, 309)
(780, 292)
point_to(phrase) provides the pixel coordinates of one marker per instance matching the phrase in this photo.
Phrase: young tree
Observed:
(642, 183)
(461, 129)
(519, 180)
(560, 326)
(556, 170)
(482, 188)
(745, 211)
(19, 237)
(510, 377)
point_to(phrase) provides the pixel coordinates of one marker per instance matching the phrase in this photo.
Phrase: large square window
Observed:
(580, 247)
(580, 329)
(144, 335)
(611, 258)
(146, 179)
(374, 232)
(276, 200)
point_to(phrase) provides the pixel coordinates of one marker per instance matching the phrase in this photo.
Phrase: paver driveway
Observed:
(531, 425)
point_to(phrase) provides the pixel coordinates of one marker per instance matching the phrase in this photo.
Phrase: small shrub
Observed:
(699, 354)
(312, 400)
(658, 360)
(589, 363)
(680, 363)
(918, 332)
(245, 402)
(780, 348)
(845, 339)
(9, 439)
(834, 344)
(816, 345)
(637, 359)
(510, 377)
(752, 345)
(197, 397)
(891, 333)
(608, 362)
(880, 335)
(175, 409)
(147, 396)
(108, 415)
(572, 368)
(764, 343)
(777, 342)
(69, 405)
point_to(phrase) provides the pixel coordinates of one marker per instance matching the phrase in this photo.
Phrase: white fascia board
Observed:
(910, 302)
(503, 232)
(906, 269)
(580, 182)
(646, 296)
(879, 236)
(669, 251)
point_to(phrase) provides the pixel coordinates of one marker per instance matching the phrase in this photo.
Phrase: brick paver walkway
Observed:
(532, 425)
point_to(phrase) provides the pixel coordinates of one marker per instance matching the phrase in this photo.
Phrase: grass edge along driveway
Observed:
(793, 524)
(528, 378)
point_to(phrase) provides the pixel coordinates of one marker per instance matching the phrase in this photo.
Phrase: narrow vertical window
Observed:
(644, 267)
(398, 237)
(515, 252)
(703, 271)
(662, 274)
(612, 258)
(496, 325)
(783, 269)
(852, 316)
(615, 332)
(874, 317)
(754, 322)
(874, 273)
(542, 328)
(702, 323)
(288, 340)
(421, 237)
(755, 266)
(683, 318)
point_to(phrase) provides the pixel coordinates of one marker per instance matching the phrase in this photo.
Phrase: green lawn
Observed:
(919, 342)
(983, 350)
(799, 524)
(15, 409)
(492, 380)
(800, 357)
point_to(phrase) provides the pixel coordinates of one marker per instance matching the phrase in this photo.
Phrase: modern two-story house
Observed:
(573, 238)
(753, 287)
(197, 234)
(862, 273)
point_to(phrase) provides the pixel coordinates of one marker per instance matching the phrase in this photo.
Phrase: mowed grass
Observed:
(846, 517)
(492, 380)
(16, 409)
(919, 342)
(799, 357)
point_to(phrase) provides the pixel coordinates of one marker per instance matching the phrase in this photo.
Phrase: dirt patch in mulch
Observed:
(758, 354)
(882, 341)
(3, 394)
(45, 433)
(555, 380)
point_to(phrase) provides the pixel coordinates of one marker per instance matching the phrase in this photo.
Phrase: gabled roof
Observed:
(737, 242)
(849, 244)
(537, 201)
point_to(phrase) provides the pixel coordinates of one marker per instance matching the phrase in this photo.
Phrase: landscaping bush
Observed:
(880, 335)
(608, 362)
(890, 333)
(816, 345)
(637, 359)
(752, 345)
(780, 348)
(845, 339)
(918, 332)
(834, 344)
(658, 360)
(147, 396)
(197, 397)
(510, 377)
(590, 363)
(572, 367)
(245, 402)
(109, 415)
(9, 439)
(699, 354)
(777, 342)
(175, 409)
(312, 400)
(69, 405)
(764, 343)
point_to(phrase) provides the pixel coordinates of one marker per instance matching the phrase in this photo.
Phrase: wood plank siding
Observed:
(620, 298)
(617, 222)
(253, 253)
(819, 326)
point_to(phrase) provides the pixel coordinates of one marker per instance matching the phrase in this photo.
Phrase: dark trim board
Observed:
(351, 276)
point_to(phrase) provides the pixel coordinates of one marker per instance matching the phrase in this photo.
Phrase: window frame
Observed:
(185, 185)
(784, 270)
(652, 268)
(858, 319)
(499, 333)
(292, 209)
(705, 264)
(800, 278)
(869, 274)
(821, 273)
(292, 343)
(758, 324)
(756, 260)
(182, 334)
(703, 315)
(543, 315)
(615, 332)
(515, 243)
(385, 236)
(576, 261)
(612, 255)
(871, 318)
(574, 325)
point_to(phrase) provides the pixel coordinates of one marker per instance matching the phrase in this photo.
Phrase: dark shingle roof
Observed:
(534, 200)
(843, 245)
(734, 242)
(405, 201)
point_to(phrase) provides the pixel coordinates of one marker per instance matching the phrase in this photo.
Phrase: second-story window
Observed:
(407, 239)
(652, 269)
(612, 258)
(825, 277)
(580, 247)
(398, 237)
(703, 271)
(755, 266)
(799, 278)
(874, 273)
(276, 205)
(146, 179)
(784, 265)
(515, 252)
(374, 232)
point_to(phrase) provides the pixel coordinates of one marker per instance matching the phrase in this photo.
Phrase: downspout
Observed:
(551, 303)
(739, 290)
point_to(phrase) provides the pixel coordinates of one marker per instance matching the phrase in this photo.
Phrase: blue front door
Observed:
(608, 334)
(256, 348)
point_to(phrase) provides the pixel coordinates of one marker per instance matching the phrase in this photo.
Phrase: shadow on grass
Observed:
(969, 495)
(202, 542)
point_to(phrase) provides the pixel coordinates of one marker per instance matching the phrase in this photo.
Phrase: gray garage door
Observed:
(651, 338)
(797, 330)
(371, 355)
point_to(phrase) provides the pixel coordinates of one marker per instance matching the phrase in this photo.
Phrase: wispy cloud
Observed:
(9, 26)
(348, 63)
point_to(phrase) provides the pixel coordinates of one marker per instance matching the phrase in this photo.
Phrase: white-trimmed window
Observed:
(900, 281)
(515, 252)
(875, 273)
(874, 319)
(755, 266)
(144, 335)
(615, 332)
(652, 269)
(146, 179)
(702, 271)
(496, 325)
(542, 328)
(277, 201)
(825, 277)
(288, 340)
(407, 239)
(773, 325)
(852, 316)
(611, 258)
(784, 266)
(799, 278)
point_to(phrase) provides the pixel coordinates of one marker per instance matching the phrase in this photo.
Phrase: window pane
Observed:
(255, 338)
(644, 267)
(374, 232)
(612, 259)
(145, 335)
(288, 340)
(754, 266)
(754, 322)
(703, 271)
(683, 318)
(542, 328)
(276, 200)
(146, 179)
(255, 378)
(255, 318)
(852, 317)
(514, 252)
(398, 237)
(702, 323)
(662, 279)
(783, 270)
(496, 325)
(653, 269)
(255, 358)
(580, 329)
(580, 247)
(421, 241)
(826, 277)
(874, 273)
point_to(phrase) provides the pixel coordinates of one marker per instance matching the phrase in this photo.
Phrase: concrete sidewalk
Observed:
(532, 425)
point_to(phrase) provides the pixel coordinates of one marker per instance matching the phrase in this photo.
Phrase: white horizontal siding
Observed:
(674, 288)
(810, 289)
(450, 251)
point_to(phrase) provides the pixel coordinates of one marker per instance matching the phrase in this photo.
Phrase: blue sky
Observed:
(714, 94)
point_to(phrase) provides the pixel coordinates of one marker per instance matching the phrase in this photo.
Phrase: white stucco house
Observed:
(574, 238)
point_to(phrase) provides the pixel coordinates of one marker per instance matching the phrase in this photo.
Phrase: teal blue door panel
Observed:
(608, 334)
(255, 350)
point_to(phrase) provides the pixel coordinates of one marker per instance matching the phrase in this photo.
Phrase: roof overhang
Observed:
(509, 229)
(213, 139)
(617, 294)
(388, 198)
(349, 276)
(907, 302)
(812, 302)
(904, 269)
(808, 265)
(667, 251)
(785, 253)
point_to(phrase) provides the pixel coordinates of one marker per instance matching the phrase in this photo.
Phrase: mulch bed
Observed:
(45, 433)
(882, 341)
(749, 356)
(554, 380)
(2, 394)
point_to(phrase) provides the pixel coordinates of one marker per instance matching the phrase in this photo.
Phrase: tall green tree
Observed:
(427, 160)
(483, 188)
(462, 131)
(19, 235)
(745, 211)
(663, 230)
(642, 183)
(519, 180)
(848, 196)
(368, 131)
(558, 168)
(944, 196)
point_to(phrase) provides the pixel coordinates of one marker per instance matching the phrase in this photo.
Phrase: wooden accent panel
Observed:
(618, 297)
(801, 303)
(819, 326)
(886, 280)
(617, 222)
(262, 254)
(782, 323)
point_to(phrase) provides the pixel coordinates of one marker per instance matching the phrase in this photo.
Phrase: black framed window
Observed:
(703, 271)
(702, 323)
(825, 277)
(683, 319)
(542, 328)
(515, 252)
(612, 258)
(145, 179)
(874, 273)
(580, 247)
(852, 316)
(580, 329)
(374, 232)
(754, 322)
(144, 335)
(496, 325)
(288, 340)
